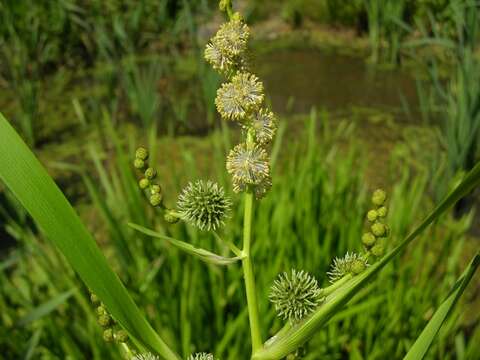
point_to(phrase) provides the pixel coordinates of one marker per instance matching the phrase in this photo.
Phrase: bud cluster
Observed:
(374, 239)
(111, 331)
(241, 99)
(147, 183)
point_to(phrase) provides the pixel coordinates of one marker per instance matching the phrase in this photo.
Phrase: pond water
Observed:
(333, 81)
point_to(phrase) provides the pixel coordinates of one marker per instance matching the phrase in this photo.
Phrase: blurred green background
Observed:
(368, 93)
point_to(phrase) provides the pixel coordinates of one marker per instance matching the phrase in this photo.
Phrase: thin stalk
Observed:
(248, 267)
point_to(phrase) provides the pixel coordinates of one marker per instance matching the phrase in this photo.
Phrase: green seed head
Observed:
(382, 211)
(121, 336)
(155, 189)
(204, 205)
(139, 163)
(372, 215)
(150, 173)
(378, 250)
(368, 239)
(156, 199)
(141, 153)
(379, 229)
(295, 295)
(379, 196)
(143, 183)
(104, 320)
(108, 335)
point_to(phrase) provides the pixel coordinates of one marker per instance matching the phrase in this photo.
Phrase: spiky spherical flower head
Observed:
(146, 356)
(372, 215)
(141, 153)
(379, 196)
(259, 190)
(232, 37)
(248, 166)
(349, 264)
(240, 96)
(219, 60)
(201, 356)
(368, 239)
(379, 229)
(295, 295)
(204, 205)
(382, 211)
(139, 163)
(263, 123)
(143, 183)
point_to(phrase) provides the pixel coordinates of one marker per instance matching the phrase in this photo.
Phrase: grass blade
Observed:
(23, 174)
(45, 308)
(423, 342)
(280, 346)
(202, 254)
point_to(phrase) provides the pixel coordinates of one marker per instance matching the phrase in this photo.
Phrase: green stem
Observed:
(248, 275)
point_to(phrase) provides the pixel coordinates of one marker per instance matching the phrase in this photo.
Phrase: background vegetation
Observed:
(86, 82)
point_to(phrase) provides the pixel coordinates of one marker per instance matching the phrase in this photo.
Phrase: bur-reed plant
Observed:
(250, 169)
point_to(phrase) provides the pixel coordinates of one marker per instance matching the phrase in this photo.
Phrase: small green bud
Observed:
(368, 239)
(156, 199)
(101, 310)
(170, 218)
(143, 183)
(222, 5)
(94, 299)
(237, 17)
(357, 266)
(382, 212)
(121, 336)
(378, 250)
(108, 335)
(150, 173)
(141, 153)
(379, 196)
(104, 320)
(138, 163)
(155, 189)
(379, 229)
(372, 215)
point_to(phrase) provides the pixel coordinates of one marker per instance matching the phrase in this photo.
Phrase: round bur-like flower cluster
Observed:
(204, 205)
(248, 166)
(350, 264)
(240, 96)
(263, 124)
(295, 295)
(228, 44)
(201, 356)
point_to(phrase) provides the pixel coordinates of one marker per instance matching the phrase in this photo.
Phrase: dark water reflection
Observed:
(333, 81)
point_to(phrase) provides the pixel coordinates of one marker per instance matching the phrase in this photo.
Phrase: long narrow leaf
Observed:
(27, 179)
(202, 254)
(279, 346)
(423, 342)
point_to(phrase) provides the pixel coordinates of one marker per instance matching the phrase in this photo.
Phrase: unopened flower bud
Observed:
(155, 189)
(170, 218)
(382, 212)
(101, 310)
(121, 336)
(378, 250)
(379, 196)
(94, 299)
(150, 173)
(368, 239)
(372, 215)
(156, 199)
(143, 183)
(139, 163)
(104, 320)
(141, 153)
(108, 335)
(357, 266)
(379, 229)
